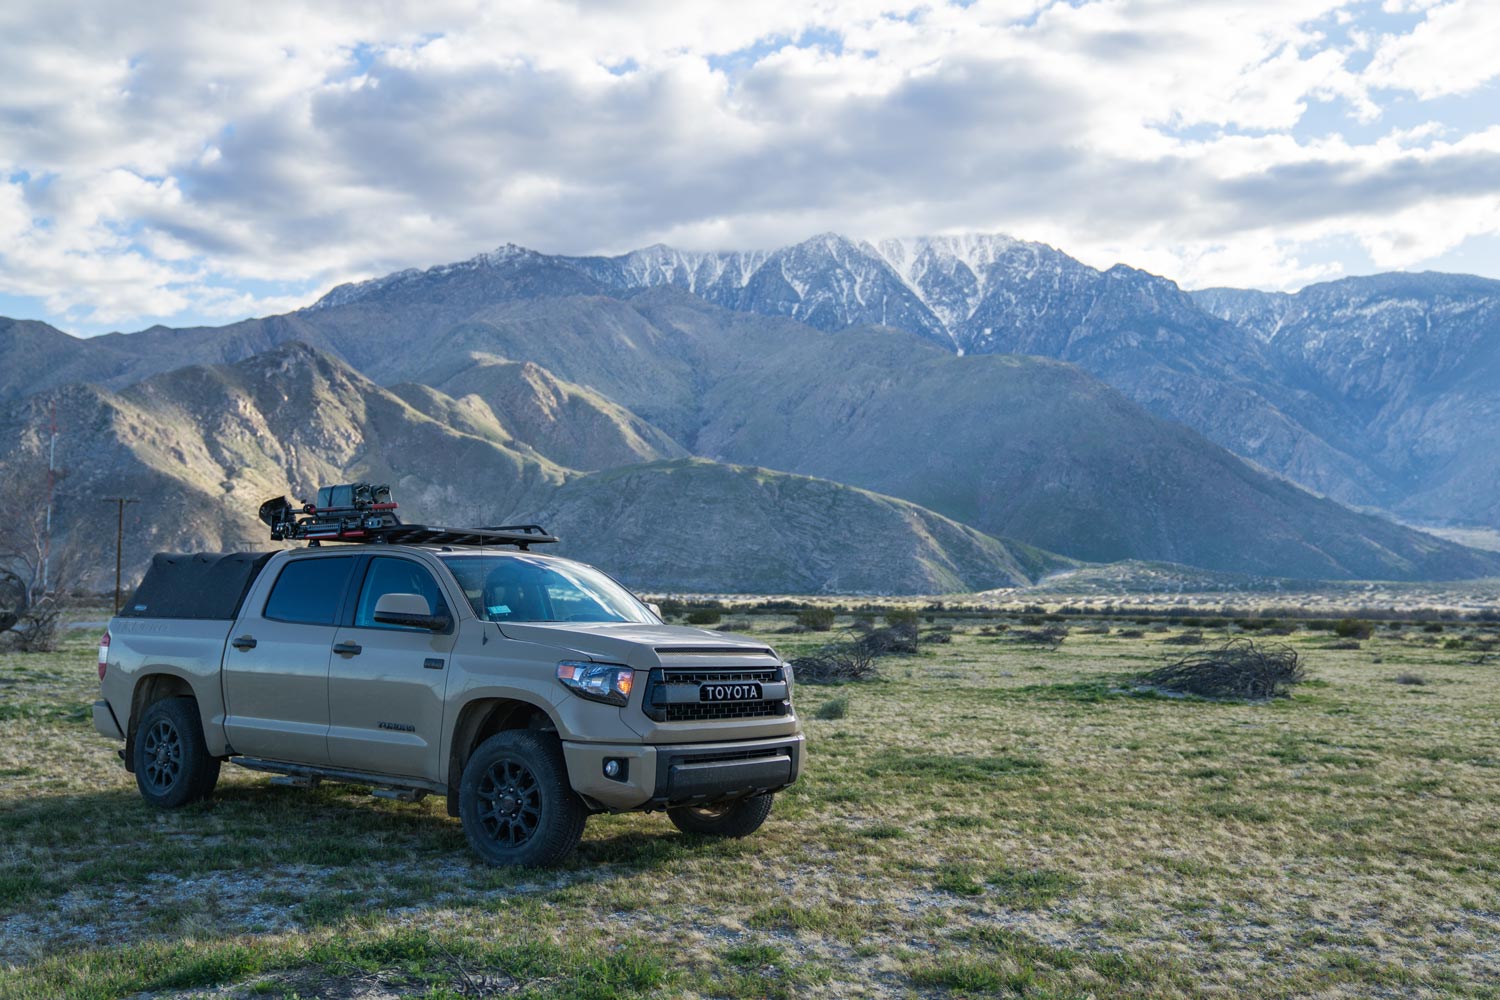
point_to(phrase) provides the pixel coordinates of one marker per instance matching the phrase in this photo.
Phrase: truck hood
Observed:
(638, 645)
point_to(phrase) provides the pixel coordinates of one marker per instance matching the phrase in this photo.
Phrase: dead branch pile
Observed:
(835, 663)
(1240, 668)
(852, 658)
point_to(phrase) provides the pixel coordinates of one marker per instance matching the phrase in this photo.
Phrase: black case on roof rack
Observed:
(360, 512)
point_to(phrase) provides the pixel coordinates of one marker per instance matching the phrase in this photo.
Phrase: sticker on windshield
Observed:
(498, 609)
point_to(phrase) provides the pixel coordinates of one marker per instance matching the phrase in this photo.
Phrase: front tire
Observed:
(739, 818)
(172, 764)
(515, 801)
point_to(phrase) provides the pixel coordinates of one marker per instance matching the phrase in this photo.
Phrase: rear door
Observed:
(276, 664)
(386, 683)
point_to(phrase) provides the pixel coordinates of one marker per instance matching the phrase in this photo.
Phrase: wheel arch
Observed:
(482, 717)
(150, 689)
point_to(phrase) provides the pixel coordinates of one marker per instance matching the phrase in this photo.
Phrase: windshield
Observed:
(518, 588)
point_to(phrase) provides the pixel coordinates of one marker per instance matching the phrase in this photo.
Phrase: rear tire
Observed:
(739, 818)
(172, 764)
(515, 801)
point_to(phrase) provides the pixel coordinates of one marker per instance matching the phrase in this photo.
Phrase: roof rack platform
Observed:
(365, 513)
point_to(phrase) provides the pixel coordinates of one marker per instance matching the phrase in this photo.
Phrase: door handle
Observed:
(347, 648)
(243, 642)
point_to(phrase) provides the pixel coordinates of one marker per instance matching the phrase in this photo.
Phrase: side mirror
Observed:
(655, 609)
(409, 611)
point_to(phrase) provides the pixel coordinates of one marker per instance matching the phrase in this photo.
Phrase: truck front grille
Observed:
(671, 695)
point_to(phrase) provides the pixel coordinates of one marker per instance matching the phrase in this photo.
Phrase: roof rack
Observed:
(359, 512)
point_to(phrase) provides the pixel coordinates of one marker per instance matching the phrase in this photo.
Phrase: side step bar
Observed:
(307, 776)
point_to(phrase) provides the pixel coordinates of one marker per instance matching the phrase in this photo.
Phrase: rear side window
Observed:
(309, 591)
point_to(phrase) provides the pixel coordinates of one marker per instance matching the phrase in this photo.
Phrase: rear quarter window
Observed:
(309, 591)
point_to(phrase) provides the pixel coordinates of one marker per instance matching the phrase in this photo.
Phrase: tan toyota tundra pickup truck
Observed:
(530, 690)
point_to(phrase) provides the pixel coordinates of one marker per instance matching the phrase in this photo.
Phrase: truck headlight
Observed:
(606, 682)
(790, 675)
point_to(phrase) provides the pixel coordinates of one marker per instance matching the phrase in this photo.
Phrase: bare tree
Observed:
(34, 569)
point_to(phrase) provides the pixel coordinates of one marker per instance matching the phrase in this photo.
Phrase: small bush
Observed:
(1131, 633)
(1240, 668)
(1184, 639)
(671, 607)
(1415, 680)
(834, 708)
(1353, 628)
(704, 616)
(816, 619)
(1433, 627)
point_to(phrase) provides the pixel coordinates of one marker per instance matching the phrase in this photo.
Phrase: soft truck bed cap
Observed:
(208, 585)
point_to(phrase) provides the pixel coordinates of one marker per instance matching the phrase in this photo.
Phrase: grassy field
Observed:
(987, 819)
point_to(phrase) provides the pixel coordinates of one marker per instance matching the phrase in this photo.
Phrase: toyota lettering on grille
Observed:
(729, 692)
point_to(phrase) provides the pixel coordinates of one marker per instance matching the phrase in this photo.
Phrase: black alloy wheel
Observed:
(172, 763)
(516, 802)
(510, 802)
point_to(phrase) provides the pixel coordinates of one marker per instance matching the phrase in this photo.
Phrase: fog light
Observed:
(614, 768)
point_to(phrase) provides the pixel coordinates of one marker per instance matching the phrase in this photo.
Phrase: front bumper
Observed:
(105, 721)
(679, 774)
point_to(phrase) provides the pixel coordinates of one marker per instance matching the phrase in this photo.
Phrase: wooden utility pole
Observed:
(119, 503)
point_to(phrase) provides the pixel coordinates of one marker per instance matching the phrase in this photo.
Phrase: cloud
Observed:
(200, 162)
(1452, 50)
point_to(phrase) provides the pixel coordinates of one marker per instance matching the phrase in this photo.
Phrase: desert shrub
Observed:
(1094, 630)
(1142, 621)
(671, 607)
(816, 619)
(1456, 643)
(1184, 639)
(1416, 680)
(1184, 622)
(1393, 626)
(1241, 668)
(1050, 636)
(940, 635)
(1215, 622)
(36, 628)
(834, 708)
(1280, 628)
(1433, 627)
(704, 616)
(1131, 633)
(1353, 628)
(901, 617)
(1250, 624)
(891, 640)
(735, 626)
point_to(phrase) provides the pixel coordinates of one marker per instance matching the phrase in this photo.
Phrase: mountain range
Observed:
(748, 421)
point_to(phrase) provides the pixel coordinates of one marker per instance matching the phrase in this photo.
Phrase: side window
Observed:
(396, 576)
(308, 591)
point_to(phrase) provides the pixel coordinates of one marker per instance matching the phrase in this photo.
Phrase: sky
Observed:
(199, 163)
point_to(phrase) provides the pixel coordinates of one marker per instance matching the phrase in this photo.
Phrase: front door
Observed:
(276, 665)
(386, 682)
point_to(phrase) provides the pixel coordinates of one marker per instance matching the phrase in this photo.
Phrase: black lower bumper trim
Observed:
(698, 778)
